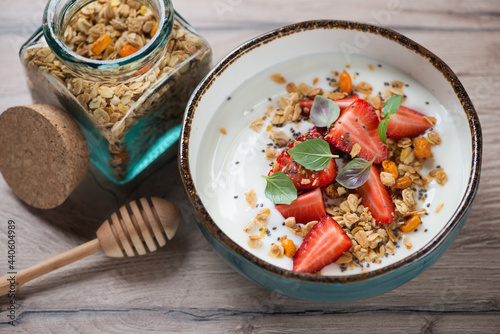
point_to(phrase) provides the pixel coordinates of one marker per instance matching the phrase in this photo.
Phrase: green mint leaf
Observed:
(280, 189)
(391, 106)
(382, 130)
(324, 111)
(355, 173)
(313, 154)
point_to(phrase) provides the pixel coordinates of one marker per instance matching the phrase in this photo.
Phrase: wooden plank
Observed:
(424, 15)
(206, 320)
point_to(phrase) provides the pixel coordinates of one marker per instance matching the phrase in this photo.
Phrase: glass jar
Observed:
(129, 108)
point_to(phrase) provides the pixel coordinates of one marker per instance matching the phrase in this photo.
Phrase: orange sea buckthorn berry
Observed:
(422, 149)
(289, 247)
(155, 28)
(402, 183)
(411, 224)
(100, 44)
(121, 155)
(143, 70)
(345, 83)
(127, 50)
(390, 167)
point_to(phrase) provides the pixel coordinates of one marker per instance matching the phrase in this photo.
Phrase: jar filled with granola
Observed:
(124, 69)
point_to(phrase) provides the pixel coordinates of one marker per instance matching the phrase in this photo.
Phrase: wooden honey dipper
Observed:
(134, 229)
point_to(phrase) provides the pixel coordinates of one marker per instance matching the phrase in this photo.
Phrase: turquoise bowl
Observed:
(279, 46)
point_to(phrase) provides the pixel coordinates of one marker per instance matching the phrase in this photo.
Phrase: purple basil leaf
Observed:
(355, 173)
(324, 112)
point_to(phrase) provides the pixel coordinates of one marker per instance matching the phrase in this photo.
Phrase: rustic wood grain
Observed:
(185, 287)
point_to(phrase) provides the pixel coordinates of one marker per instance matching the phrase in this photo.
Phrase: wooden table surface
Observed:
(186, 287)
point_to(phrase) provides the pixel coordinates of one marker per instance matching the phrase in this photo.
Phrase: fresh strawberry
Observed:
(358, 124)
(406, 123)
(324, 244)
(346, 102)
(303, 178)
(343, 103)
(376, 197)
(307, 207)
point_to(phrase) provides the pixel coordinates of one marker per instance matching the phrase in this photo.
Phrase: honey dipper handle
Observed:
(47, 266)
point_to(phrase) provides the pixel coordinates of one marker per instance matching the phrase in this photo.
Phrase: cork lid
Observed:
(43, 154)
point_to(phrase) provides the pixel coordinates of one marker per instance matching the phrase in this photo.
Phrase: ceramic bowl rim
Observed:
(473, 120)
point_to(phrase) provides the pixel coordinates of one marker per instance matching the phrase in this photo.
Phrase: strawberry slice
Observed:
(406, 122)
(324, 244)
(307, 207)
(377, 198)
(346, 102)
(343, 103)
(358, 124)
(303, 178)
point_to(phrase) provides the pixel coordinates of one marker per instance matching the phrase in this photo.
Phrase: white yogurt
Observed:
(232, 164)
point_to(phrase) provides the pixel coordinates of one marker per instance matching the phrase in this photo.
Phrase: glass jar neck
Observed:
(58, 14)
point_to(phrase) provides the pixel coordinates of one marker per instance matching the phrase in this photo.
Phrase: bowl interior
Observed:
(225, 166)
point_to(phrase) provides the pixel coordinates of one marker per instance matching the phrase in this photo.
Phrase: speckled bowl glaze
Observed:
(348, 38)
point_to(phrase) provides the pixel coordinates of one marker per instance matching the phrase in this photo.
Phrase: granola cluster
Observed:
(101, 29)
(403, 154)
(370, 240)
